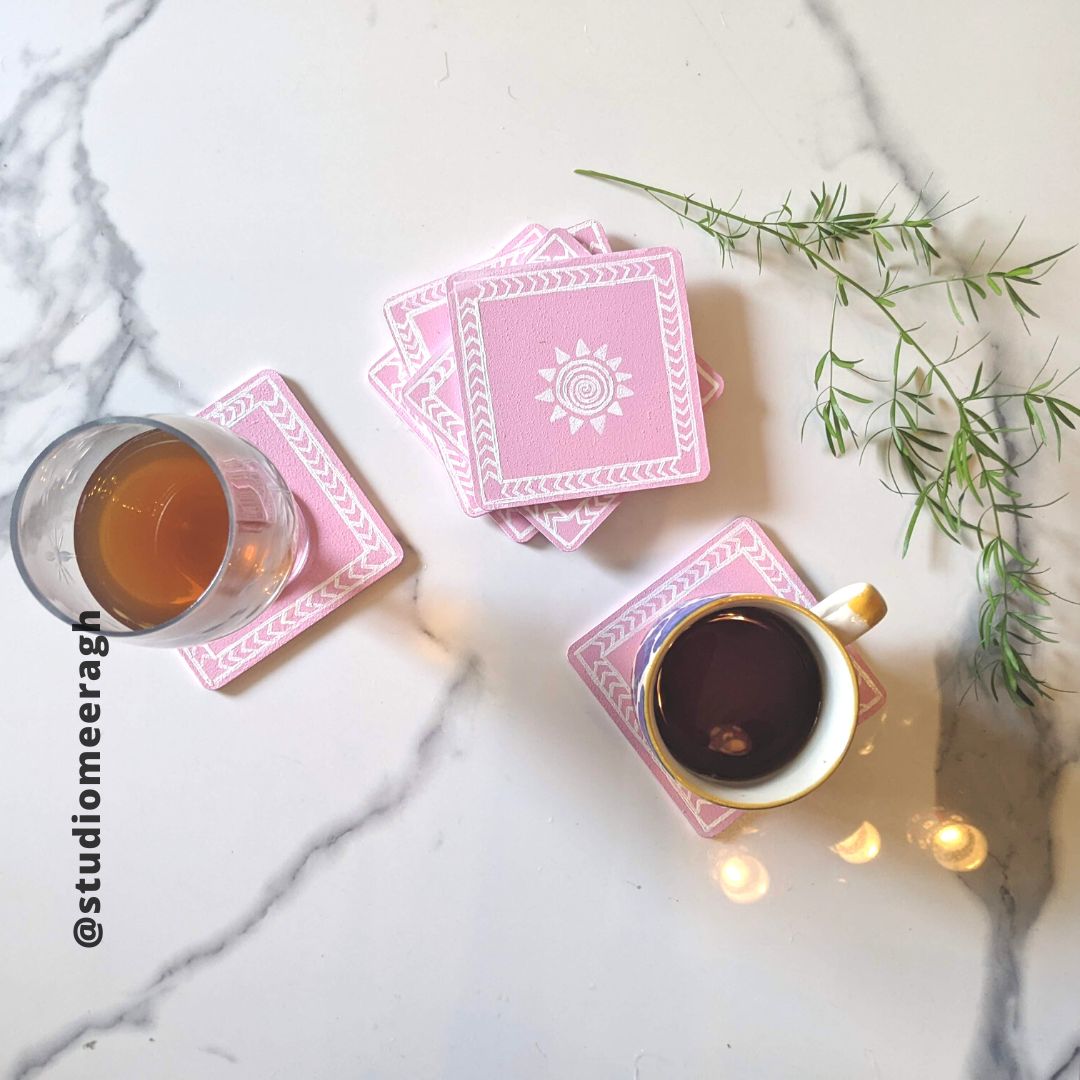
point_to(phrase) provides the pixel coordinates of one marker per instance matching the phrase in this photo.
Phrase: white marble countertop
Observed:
(411, 845)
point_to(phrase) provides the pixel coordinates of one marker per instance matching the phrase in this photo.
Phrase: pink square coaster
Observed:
(740, 558)
(578, 377)
(569, 524)
(351, 546)
(419, 322)
(430, 399)
(434, 393)
(387, 375)
(418, 318)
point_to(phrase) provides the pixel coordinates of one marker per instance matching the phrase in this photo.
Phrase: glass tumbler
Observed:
(266, 544)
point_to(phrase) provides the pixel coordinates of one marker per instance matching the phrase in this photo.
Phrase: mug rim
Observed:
(157, 422)
(688, 778)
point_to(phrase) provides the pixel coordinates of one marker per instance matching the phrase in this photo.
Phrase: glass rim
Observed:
(152, 423)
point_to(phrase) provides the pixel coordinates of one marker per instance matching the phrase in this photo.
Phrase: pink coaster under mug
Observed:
(738, 559)
(351, 546)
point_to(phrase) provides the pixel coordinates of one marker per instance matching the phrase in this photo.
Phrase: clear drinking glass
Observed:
(267, 538)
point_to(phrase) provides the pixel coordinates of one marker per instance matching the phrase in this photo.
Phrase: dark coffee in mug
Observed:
(738, 694)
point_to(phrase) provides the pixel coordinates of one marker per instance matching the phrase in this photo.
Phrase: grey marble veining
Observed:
(1000, 765)
(138, 1010)
(58, 240)
(997, 764)
(57, 376)
(80, 328)
(880, 137)
(1070, 1067)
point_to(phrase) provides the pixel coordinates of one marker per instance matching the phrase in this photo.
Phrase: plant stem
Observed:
(976, 462)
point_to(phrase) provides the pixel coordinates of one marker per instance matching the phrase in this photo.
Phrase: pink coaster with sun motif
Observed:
(578, 378)
(738, 559)
(419, 322)
(569, 524)
(418, 401)
(350, 545)
(433, 395)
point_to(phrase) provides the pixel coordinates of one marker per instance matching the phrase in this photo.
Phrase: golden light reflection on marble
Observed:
(862, 846)
(742, 878)
(953, 841)
(959, 846)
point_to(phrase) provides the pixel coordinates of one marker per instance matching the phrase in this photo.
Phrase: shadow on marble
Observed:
(738, 480)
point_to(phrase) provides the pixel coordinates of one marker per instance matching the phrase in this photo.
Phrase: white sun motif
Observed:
(585, 387)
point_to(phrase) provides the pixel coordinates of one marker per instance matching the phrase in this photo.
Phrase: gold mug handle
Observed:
(851, 611)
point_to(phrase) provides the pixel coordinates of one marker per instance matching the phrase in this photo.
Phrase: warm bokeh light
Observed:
(953, 841)
(862, 846)
(958, 845)
(743, 878)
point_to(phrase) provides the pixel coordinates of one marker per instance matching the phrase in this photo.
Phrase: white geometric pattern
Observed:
(403, 311)
(388, 377)
(392, 371)
(586, 387)
(494, 489)
(565, 524)
(216, 663)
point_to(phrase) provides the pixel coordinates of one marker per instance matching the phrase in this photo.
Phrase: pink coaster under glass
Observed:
(351, 546)
(740, 559)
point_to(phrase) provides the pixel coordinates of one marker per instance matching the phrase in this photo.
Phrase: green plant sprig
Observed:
(948, 446)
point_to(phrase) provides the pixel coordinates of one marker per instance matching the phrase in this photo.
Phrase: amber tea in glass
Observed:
(151, 529)
(176, 529)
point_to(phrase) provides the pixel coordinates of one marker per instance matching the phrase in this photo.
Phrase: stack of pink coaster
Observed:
(552, 379)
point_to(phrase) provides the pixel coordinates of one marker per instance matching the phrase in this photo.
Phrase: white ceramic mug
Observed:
(827, 628)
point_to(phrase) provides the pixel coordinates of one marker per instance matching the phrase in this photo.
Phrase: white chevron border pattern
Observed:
(496, 490)
(375, 551)
(608, 681)
(402, 311)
